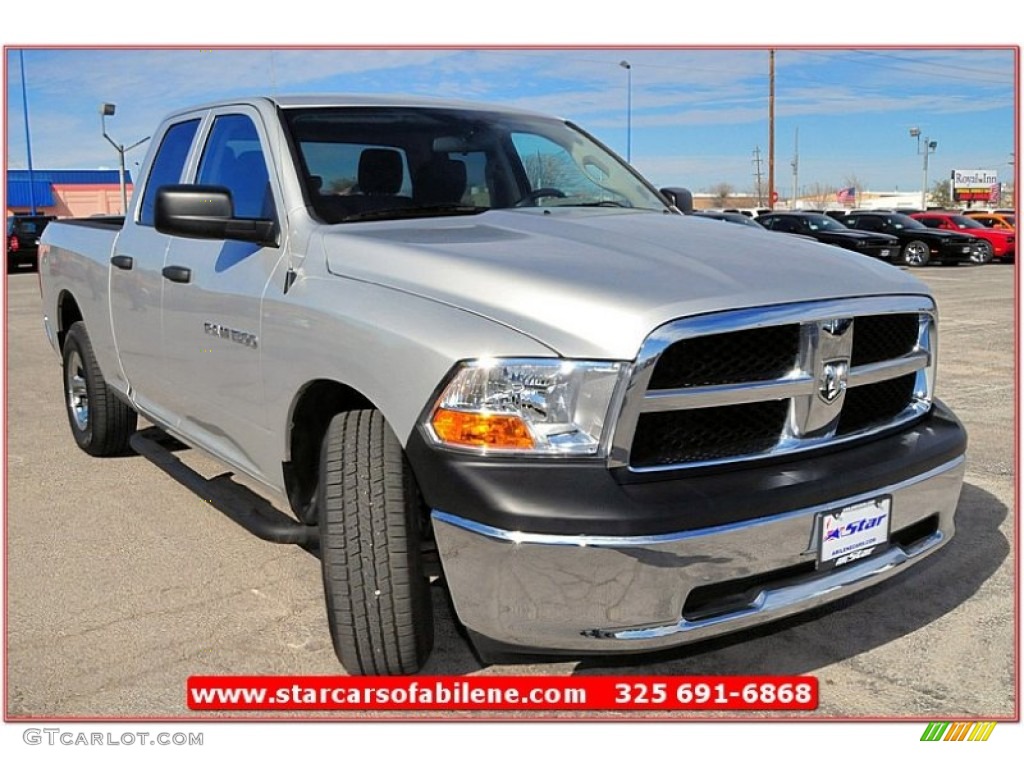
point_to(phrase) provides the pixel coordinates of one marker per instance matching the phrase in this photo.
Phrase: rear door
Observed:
(136, 284)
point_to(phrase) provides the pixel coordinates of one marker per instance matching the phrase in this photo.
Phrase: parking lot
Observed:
(122, 582)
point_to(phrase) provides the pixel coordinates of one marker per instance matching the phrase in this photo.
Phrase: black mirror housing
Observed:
(207, 212)
(680, 197)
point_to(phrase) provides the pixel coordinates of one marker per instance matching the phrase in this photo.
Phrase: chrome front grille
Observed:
(749, 384)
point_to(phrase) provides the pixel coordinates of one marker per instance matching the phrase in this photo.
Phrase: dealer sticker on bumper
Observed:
(853, 532)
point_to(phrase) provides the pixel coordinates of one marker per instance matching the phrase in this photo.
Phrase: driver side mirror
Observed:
(207, 212)
(680, 197)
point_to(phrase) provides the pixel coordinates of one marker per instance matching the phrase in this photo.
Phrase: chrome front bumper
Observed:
(596, 594)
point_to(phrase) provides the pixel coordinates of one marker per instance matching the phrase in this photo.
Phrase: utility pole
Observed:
(757, 175)
(796, 169)
(771, 129)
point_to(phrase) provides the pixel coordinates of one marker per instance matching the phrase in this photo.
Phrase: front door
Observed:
(212, 296)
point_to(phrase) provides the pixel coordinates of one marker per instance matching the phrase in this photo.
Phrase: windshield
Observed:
(902, 221)
(962, 222)
(362, 163)
(819, 223)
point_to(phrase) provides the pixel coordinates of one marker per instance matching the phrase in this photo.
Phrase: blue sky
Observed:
(697, 115)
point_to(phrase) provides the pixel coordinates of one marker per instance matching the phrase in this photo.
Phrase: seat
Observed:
(380, 172)
(250, 188)
(439, 181)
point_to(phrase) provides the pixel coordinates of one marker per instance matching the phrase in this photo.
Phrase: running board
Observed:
(236, 502)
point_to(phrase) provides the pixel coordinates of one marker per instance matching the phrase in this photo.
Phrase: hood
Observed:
(940, 235)
(593, 283)
(866, 236)
(989, 234)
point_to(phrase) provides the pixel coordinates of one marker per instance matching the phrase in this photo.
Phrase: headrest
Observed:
(440, 180)
(380, 171)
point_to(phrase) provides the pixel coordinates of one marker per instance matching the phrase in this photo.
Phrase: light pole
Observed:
(28, 137)
(929, 148)
(109, 109)
(629, 108)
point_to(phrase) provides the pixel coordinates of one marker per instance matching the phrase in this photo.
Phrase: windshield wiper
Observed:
(421, 211)
(602, 204)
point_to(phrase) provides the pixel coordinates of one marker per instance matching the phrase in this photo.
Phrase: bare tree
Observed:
(940, 194)
(341, 186)
(852, 180)
(721, 192)
(549, 170)
(1006, 194)
(820, 195)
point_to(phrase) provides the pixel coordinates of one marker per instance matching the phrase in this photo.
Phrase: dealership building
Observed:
(65, 193)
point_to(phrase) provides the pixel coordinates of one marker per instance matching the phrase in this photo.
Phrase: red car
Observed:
(1002, 245)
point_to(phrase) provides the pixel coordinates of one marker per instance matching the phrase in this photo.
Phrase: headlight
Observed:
(540, 407)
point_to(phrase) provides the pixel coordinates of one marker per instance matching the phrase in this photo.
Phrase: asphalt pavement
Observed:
(122, 581)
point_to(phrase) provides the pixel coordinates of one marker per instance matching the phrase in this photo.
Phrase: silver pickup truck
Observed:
(465, 334)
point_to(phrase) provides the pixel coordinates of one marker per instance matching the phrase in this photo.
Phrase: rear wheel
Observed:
(100, 422)
(916, 254)
(378, 597)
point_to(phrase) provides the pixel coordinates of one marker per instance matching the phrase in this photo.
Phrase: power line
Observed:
(890, 68)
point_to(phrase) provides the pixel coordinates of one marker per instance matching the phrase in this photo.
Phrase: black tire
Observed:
(981, 253)
(916, 254)
(100, 422)
(378, 597)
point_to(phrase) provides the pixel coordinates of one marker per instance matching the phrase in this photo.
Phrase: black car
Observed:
(919, 245)
(827, 230)
(23, 233)
(734, 218)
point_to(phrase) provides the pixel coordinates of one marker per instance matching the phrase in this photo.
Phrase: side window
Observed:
(932, 222)
(167, 165)
(233, 158)
(870, 223)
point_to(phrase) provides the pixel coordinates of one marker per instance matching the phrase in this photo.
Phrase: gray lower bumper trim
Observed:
(610, 594)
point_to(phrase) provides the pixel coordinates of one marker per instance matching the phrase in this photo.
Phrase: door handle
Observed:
(177, 274)
(123, 262)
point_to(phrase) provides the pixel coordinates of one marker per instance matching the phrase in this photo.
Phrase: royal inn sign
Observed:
(975, 186)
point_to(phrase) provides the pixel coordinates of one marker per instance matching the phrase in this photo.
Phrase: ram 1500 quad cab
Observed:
(469, 330)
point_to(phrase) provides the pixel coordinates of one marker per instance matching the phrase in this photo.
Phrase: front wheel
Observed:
(378, 597)
(916, 254)
(100, 422)
(981, 253)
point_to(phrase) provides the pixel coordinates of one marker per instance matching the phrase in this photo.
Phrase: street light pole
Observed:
(929, 148)
(629, 108)
(28, 137)
(109, 109)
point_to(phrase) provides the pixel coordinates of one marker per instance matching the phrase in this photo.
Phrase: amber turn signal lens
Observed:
(481, 430)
